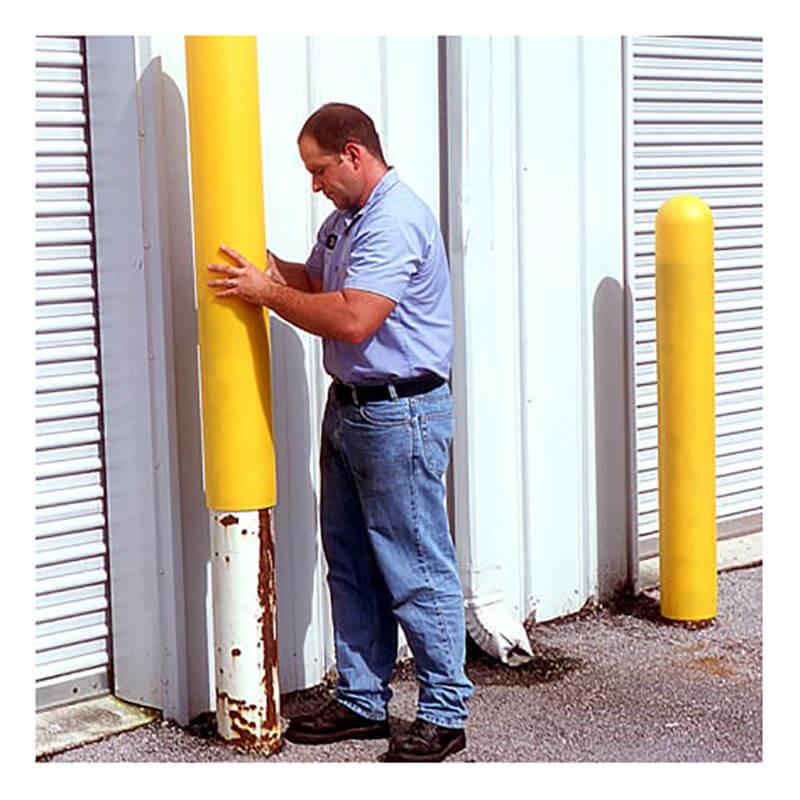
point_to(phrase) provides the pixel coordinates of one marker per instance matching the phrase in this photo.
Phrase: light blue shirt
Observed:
(391, 246)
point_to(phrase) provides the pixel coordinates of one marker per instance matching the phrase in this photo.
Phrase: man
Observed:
(376, 288)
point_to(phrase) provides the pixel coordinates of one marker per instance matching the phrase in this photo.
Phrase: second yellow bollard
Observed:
(686, 458)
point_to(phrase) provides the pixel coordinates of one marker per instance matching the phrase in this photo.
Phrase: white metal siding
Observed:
(696, 105)
(72, 636)
(536, 255)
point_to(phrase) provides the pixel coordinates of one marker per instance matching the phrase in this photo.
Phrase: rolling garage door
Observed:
(695, 127)
(72, 620)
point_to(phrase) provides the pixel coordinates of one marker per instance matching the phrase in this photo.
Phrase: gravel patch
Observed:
(611, 684)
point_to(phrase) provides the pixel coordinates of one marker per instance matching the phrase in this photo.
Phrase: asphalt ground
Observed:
(612, 684)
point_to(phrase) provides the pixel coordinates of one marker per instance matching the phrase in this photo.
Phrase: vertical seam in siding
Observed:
(582, 382)
(525, 466)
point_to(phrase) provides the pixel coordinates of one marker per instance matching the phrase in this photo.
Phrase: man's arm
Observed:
(350, 315)
(290, 273)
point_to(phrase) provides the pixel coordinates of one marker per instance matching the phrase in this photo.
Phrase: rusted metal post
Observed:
(239, 458)
(245, 636)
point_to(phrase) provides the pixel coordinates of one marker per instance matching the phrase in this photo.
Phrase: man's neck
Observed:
(373, 180)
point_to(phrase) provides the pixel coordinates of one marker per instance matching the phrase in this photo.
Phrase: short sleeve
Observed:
(385, 255)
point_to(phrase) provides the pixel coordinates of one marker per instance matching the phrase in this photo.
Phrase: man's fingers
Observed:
(236, 256)
(225, 269)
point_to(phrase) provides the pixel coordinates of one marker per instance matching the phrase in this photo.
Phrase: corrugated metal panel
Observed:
(72, 636)
(696, 111)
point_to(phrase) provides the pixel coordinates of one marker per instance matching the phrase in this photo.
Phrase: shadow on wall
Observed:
(295, 517)
(296, 543)
(614, 553)
(194, 516)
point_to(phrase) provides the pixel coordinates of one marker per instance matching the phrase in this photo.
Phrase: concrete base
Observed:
(59, 729)
(731, 553)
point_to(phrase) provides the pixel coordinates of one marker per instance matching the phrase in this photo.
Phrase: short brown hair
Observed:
(334, 124)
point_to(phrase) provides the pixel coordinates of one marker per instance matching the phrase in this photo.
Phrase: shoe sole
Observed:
(454, 747)
(297, 737)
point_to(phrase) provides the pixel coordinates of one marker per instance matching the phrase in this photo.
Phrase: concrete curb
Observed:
(743, 551)
(59, 729)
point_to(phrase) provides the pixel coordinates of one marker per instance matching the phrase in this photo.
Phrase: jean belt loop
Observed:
(354, 393)
(392, 392)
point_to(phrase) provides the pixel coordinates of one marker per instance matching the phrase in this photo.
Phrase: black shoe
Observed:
(333, 723)
(426, 742)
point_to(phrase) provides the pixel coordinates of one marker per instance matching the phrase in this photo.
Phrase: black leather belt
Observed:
(347, 393)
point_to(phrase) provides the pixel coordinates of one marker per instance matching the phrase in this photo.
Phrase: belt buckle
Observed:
(353, 393)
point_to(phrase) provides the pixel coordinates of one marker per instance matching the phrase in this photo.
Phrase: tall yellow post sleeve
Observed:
(228, 204)
(685, 346)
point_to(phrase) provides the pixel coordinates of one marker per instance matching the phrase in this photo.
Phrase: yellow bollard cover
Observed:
(228, 206)
(686, 457)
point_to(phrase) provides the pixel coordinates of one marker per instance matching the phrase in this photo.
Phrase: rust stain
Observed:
(246, 731)
(715, 665)
(266, 597)
(252, 727)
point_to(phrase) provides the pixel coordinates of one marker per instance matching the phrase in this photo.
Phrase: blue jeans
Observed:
(389, 552)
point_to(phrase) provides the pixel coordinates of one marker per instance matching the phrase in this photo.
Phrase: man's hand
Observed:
(245, 281)
(348, 315)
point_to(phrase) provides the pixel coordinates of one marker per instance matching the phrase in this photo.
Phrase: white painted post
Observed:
(245, 636)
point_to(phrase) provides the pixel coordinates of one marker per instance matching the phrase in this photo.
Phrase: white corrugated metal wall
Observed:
(72, 618)
(695, 110)
(536, 251)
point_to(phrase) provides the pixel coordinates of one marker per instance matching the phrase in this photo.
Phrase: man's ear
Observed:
(352, 151)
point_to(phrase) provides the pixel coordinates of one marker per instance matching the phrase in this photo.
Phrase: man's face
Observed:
(333, 174)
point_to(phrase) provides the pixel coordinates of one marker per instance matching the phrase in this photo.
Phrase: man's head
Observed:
(341, 149)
